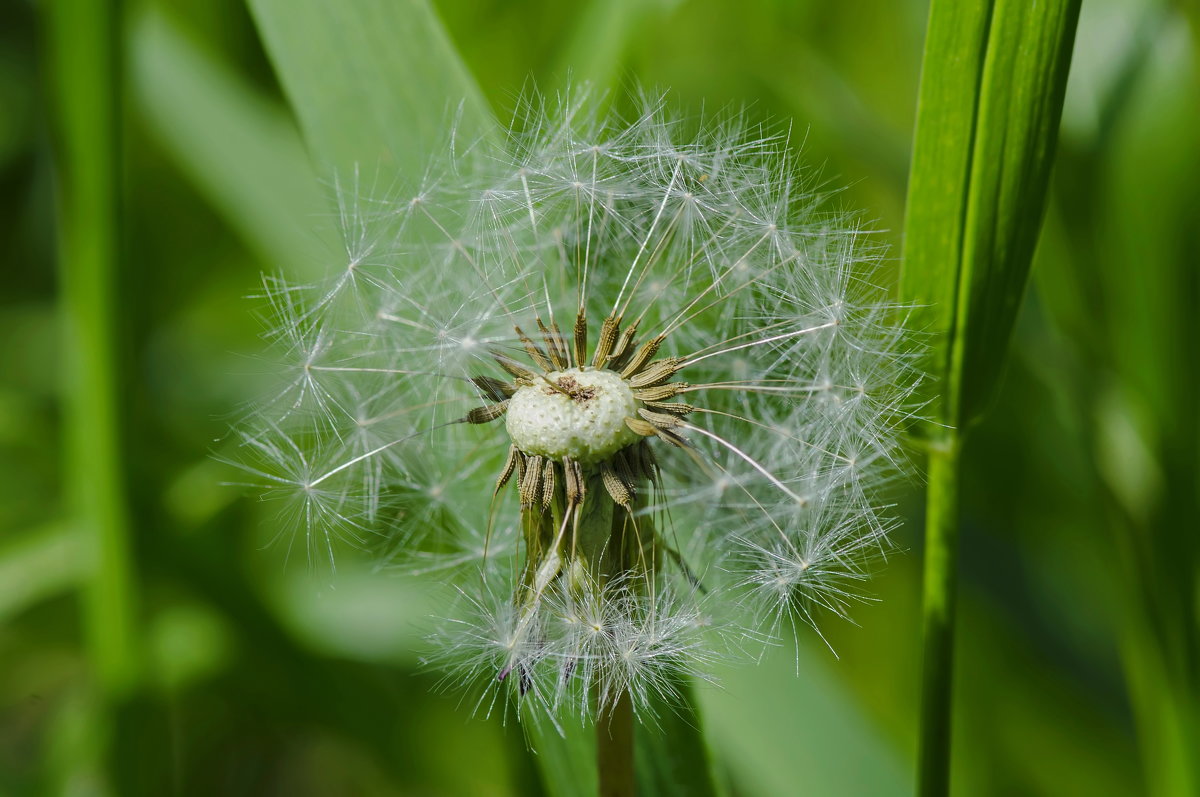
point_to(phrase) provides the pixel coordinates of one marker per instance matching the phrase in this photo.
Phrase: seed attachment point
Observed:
(576, 414)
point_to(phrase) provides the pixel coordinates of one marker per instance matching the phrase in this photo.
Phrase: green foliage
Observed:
(235, 145)
(85, 53)
(672, 753)
(1077, 492)
(566, 760)
(39, 565)
(600, 36)
(992, 89)
(781, 723)
(1133, 286)
(375, 84)
(987, 123)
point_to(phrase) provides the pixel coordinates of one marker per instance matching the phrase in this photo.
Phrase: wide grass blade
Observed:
(241, 152)
(1020, 104)
(566, 761)
(939, 176)
(671, 751)
(789, 725)
(600, 36)
(375, 84)
(991, 97)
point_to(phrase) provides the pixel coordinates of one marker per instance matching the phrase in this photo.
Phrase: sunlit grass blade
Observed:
(241, 151)
(594, 50)
(987, 123)
(373, 83)
(566, 761)
(790, 725)
(37, 565)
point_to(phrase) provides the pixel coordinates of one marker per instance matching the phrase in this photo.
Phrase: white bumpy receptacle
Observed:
(587, 426)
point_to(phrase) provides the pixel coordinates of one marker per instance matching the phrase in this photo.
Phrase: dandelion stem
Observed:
(614, 749)
(941, 549)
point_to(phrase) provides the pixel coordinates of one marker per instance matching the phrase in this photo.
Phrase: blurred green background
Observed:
(1078, 627)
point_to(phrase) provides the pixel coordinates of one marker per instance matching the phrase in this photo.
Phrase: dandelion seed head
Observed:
(613, 378)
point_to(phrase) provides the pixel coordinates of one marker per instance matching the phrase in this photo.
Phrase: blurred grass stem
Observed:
(85, 52)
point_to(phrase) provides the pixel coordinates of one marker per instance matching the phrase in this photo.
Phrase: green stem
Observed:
(84, 38)
(941, 553)
(614, 749)
(614, 724)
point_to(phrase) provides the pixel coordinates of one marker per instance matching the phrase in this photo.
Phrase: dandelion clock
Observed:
(624, 387)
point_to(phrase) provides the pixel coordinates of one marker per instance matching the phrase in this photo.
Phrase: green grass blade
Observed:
(940, 599)
(1021, 97)
(671, 752)
(85, 60)
(374, 83)
(991, 97)
(788, 725)
(939, 177)
(566, 762)
(38, 565)
(596, 47)
(243, 153)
